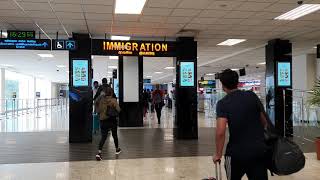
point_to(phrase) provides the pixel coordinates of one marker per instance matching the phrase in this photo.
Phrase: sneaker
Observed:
(118, 151)
(98, 157)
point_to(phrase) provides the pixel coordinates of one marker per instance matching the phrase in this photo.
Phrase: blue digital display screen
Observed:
(284, 74)
(80, 73)
(187, 74)
(116, 87)
(34, 44)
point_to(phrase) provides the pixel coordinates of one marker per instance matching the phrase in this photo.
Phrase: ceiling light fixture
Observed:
(113, 67)
(158, 72)
(231, 42)
(235, 69)
(121, 38)
(109, 72)
(315, 47)
(210, 74)
(114, 57)
(149, 76)
(129, 7)
(169, 67)
(298, 12)
(262, 63)
(4, 35)
(6, 65)
(46, 55)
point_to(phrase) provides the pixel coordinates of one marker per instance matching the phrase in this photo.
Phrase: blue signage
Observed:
(147, 81)
(116, 87)
(187, 74)
(80, 76)
(70, 45)
(284, 74)
(32, 44)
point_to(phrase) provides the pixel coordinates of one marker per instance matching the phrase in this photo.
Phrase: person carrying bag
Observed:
(108, 110)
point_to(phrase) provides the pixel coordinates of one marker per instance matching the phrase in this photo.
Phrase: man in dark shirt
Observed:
(241, 111)
(103, 86)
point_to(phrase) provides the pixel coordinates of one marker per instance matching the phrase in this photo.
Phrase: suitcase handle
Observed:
(218, 170)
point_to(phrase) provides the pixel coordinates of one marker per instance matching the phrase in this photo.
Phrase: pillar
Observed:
(80, 97)
(304, 71)
(130, 91)
(186, 119)
(3, 88)
(279, 108)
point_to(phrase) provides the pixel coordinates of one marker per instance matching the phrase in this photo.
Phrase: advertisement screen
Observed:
(116, 87)
(80, 73)
(187, 74)
(284, 74)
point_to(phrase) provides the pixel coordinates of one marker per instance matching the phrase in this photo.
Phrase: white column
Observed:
(34, 87)
(304, 71)
(3, 88)
(130, 79)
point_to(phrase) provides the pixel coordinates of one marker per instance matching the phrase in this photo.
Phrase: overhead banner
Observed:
(31, 44)
(133, 48)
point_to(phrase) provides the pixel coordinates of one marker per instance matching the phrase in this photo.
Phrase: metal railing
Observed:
(10, 108)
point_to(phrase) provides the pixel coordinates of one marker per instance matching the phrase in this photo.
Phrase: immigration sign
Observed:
(134, 48)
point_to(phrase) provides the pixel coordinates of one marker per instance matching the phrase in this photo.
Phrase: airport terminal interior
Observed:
(52, 52)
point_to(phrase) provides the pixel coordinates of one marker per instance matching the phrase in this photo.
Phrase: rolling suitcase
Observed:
(96, 123)
(218, 173)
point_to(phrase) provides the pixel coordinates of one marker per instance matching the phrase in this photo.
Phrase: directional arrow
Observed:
(45, 44)
(70, 44)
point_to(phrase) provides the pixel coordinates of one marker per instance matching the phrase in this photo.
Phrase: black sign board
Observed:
(134, 48)
(31, 44)
(21, 34)
(318, 51)
(61, 44)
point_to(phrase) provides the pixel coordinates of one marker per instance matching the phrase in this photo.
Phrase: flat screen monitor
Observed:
(187, 74)
(284, 74)
(116, 87)
(80, 72)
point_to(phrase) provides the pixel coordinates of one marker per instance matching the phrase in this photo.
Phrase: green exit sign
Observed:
(21, 34)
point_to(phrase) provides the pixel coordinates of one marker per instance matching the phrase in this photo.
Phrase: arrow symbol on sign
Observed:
(70, 45)
(45, 44)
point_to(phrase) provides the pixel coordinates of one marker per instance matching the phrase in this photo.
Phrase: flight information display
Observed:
(187, 74)
(284, 74)
(80, 73)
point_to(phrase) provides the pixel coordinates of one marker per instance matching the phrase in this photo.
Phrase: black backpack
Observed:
(285, 157)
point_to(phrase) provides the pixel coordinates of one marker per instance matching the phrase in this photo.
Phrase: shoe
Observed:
(118, 151)
(98, 157)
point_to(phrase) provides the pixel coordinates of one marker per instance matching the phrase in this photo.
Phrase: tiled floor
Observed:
(184, 168)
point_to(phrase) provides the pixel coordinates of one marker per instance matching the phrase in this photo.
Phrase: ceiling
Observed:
(210, 21)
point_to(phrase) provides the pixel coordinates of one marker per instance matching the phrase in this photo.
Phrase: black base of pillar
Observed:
(131, 115)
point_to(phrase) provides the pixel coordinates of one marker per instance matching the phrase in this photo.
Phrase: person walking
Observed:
(242, 112)
(157, 98)
(108, 109)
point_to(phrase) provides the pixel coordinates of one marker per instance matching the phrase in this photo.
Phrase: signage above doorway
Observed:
(31, 44)
(134, 48)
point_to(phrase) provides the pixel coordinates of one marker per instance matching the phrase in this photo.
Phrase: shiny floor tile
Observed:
(186, 168)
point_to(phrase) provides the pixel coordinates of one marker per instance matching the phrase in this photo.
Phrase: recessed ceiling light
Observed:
(315, 47)
(6, 65)
(149, 76)
(109, 72)
(231, 42)
(158, 72)
(61, 66)
(210, 74)
(262, 63)
(114, 57)
(129, 7)
(170, 67)
(4, 35)
(235, 69)
(121, 38)
(298, 12)
(112, 67)
(197, 57)
(46, 55)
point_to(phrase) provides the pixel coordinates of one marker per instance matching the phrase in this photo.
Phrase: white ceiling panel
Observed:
(158, 19)
(31, 6)
(213, 13)
(67, 7)
(200, 4)
(238, 14)
(204, 20)
(7, 4)
(70, 15)
(281, 7)
(163, 3)
(97, 2)
(157, 11)
(185, 12)
(178, 19)
(100, 16)
(224, 5)
(125, 17)
(98, 9)
(253, 6)
(41, 14)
